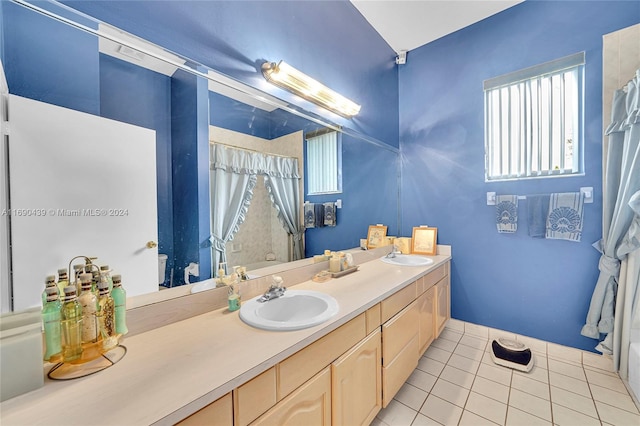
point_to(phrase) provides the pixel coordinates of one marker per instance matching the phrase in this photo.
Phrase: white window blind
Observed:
(324, 174)
(533, 121)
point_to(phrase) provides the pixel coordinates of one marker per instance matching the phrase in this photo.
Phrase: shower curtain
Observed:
(612, 304)
(233, 175)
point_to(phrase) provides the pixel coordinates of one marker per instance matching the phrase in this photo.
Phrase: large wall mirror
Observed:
(62, 60)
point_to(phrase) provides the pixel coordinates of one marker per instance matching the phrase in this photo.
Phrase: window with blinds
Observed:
(324, 163)
(533, 121)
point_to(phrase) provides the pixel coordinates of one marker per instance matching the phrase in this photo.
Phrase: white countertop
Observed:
(173, 371)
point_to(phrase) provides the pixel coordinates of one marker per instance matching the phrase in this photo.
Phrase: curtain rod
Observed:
(250, 150)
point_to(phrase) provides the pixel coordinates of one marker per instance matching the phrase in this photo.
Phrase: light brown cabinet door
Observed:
(443, 304)
(218, 413)
(310, 404)
(427, 330)
(356, 383)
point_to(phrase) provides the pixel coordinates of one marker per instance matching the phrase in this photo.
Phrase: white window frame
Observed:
(528, 116)
(324, 162)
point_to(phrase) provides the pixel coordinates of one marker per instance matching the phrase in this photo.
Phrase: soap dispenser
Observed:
(233, 297)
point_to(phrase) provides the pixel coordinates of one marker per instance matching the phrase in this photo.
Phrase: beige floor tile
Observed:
(470, 419)
(397, 414)
(441, 411)
(464, 363)
(430, 366)
(597, 361)
(616, 416)
(450, 392)
(611, 397)
(455, 325)
(487, 408)
(469, 352)
(568, 369)
(422, 420)
(378, 422)
(517, 417)
(495, 373)
(531, 386)
(491, 389)
(476, 330)
(451, 335)
(564, 353)
(474, 342)
(531, 404)
(606, 381)
(437, 354)
(444, 344)
(411, 396)
(564, 416)
(422, 380)
(540, 360)
(569, 383)
(573, 401)
(457, 377)
(486, 358)
(537, 373)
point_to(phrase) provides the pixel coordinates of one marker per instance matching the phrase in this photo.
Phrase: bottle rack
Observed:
(96, 356)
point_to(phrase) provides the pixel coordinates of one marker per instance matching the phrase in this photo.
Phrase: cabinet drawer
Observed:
(219, 412)
(398, 332)
(396, 302)
(432, 278)
(396, 373)
(301, 366)
(254, 397)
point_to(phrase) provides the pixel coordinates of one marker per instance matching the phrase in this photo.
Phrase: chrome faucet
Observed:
(275, 290)
(393, 252)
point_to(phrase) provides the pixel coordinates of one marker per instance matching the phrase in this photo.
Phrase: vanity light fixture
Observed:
(289, 78)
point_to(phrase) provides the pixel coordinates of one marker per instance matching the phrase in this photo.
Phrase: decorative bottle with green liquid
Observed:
(51, 318)
(63, 280)
(71, 325)
(49, 282)
(120, 300)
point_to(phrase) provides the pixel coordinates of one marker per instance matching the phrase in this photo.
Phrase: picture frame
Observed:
(376, 236)
(424, 240)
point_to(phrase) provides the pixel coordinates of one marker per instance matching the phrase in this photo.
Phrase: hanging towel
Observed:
(309, 215)
(330, 214)
(565, 216)
(507, 213)
(318, 211)
(537, 212)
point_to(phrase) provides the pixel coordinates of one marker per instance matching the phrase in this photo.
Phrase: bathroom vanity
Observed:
(215, 369)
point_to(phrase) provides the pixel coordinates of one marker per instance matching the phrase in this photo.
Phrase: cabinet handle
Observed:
(152, 244)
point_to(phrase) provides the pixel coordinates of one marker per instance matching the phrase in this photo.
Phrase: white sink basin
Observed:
(407, 260)
(296, 310)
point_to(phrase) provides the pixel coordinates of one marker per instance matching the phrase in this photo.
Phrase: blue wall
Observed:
(540, 288)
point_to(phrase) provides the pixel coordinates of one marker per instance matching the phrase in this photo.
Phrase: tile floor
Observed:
(457, 383)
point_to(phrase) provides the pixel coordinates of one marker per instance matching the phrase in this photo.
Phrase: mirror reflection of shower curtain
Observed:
(233, 175)
(282, 180)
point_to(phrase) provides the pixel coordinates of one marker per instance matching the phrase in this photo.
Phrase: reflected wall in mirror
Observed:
(75, 69)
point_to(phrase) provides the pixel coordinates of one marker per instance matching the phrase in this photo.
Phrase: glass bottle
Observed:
(77, 270)
(119, 296)
(105, 275)
(106, 319)
(63, 280)
(89, 303)
(49, 282)
(51, 319)
(233, 296)
(71, 325)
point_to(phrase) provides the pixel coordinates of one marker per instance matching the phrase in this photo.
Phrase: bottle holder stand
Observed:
(70, 370)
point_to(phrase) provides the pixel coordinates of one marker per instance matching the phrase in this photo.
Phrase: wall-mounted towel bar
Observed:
(586, 190)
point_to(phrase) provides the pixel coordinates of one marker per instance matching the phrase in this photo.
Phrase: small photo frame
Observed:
(424, 240)
(376, 236)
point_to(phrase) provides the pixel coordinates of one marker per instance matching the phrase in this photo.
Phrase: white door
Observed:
(79, 185)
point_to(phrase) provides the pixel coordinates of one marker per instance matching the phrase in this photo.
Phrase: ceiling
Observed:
(407, 24)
